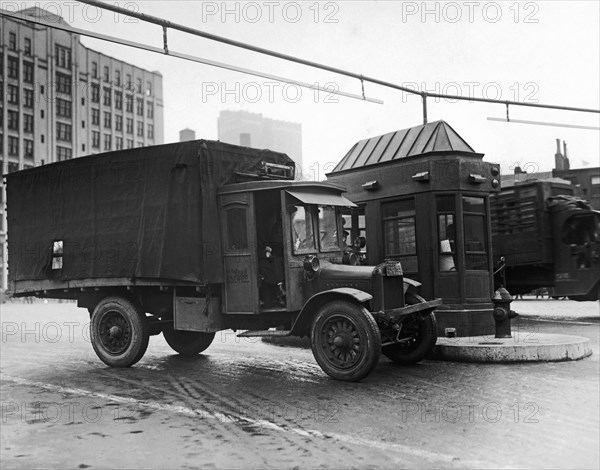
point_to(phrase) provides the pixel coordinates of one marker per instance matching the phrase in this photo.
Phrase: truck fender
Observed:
(408, 283)
(304, 319)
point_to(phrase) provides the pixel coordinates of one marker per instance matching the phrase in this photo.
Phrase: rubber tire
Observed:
(187, 343)
(138, 325)
(428, 325)
(369, 336)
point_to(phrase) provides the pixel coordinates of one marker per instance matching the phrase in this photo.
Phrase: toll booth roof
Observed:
(435, 136)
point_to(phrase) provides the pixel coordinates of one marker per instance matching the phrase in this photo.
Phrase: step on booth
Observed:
(423, 198)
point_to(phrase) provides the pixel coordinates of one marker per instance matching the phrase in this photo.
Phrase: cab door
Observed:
(239, 259)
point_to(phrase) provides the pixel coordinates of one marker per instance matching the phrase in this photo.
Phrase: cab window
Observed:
(328, 229)
(303, 237)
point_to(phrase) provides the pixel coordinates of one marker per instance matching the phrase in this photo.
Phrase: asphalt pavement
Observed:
(249, 404)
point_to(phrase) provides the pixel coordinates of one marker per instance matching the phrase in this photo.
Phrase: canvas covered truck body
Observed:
(192, 238)
(548, 237)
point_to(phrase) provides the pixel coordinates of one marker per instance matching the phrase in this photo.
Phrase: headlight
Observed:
(311, 265)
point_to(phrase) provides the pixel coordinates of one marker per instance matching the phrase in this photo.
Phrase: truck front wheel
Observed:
(418, 336)
(345, 340)
(119, 331)
(187, 343)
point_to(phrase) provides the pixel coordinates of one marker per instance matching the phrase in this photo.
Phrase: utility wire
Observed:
(424, 95)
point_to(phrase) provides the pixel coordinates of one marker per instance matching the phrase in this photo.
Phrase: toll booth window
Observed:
(400, 233)
(237, 236)
(446, 215)
(328, 229)
(303, 238)
(475, 239)
(354, 232)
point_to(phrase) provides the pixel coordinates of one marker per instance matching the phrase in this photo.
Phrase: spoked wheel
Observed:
(187, 343)
(119, 331)
(345, 340)
(418, 336)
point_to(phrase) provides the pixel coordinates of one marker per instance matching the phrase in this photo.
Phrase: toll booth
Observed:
(423, 197)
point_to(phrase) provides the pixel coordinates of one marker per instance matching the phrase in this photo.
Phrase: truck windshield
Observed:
(303, 237)
(328, 229)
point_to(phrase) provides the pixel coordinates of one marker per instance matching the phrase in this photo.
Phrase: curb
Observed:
(540, 348)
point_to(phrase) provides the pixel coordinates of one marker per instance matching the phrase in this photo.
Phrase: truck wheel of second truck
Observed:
(119, 331)
(345, 340)
(187, 343)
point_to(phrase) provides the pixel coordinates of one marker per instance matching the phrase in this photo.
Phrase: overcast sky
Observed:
(525, 51)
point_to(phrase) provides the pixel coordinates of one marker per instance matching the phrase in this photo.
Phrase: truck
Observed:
(193, 238)
(547, 237)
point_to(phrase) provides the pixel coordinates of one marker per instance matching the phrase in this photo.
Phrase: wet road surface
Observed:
(249, 404)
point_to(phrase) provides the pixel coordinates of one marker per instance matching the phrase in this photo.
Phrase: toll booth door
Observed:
(239, 244)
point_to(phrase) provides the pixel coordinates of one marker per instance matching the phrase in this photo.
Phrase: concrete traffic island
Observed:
(539, 347)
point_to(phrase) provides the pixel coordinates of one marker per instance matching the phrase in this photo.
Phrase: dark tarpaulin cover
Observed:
(142, 213)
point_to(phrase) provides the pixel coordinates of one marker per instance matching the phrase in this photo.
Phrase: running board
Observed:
(258, 333)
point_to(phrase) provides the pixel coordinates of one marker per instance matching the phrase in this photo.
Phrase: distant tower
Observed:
(561, 162)
(187, 134)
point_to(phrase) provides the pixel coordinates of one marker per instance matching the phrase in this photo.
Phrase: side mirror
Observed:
(359, 243)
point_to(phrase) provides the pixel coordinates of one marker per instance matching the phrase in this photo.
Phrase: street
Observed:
(245, 403)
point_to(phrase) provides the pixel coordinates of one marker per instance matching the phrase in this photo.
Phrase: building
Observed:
(61, 100)
(588, 179)
(254, 130)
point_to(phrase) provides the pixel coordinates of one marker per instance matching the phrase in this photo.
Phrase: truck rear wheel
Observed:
(345, 340)
(421, 336)
(187, 343)
(119, 332)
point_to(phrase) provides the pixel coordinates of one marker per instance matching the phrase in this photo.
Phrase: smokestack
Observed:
(565, 149)
(559, 159)
(566, 162)
(558, 146)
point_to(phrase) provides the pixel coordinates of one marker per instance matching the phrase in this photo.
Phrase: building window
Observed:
(27, 50)
(95, 139)
(41, 113)
(118, 77)
(95, 93)
(62, 56)
(107, 96)
(83, 124)
(63, 132)
(150, 131)
(595, 186)
(107, 141)
(148, 88)
(400, 240)
(150, 110)
(128, 85)
(129, 126)
(95, 117)
(13, 67)
(12, 41)
(106, 74)
(63, 83)
(28, 144)
(139, 85)
(1, 125)
(107, 120)
(140, 129)
(140, 107)
(28, 123)
(28, 72)
(119, 143)
(28, 98)
(13, 146)
(129, 103)
(94, 69)
(13, 120)
(129, 143)
(118, 122)
(63, 108)
(118, 100)
(12, 166)
(13, 94)
(140, 144)
(63, 153)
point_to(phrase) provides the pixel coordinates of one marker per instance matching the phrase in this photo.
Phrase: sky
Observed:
(540, 51)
